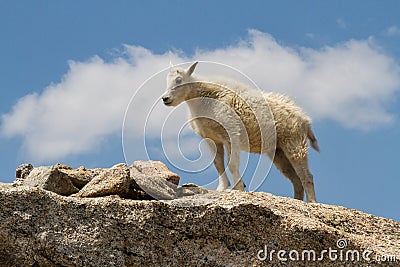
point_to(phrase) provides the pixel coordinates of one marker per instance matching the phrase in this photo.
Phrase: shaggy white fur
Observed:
(231, 115)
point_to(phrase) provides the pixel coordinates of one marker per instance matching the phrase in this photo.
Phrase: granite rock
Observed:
(156, 168)
(41, 228)
(22, 172)
(80, 176)
(113, 181)
(143, 180)
(49, 178)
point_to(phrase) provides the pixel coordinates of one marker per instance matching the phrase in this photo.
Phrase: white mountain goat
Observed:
(239, 118)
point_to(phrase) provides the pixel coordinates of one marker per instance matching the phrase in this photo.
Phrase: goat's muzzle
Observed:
(167, 100)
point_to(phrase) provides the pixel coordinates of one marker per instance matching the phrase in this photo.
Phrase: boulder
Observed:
(59, 178)
(49, 178)
(41, 228)
(190, 190)
(143, 180)
(147, 182)
(22, 172)
(156, 169)
(80, 176)
(113, 181)
(153, 185)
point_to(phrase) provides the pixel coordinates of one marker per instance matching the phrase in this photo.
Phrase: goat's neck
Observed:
(194, 100)
(199, 89)
(202, 97)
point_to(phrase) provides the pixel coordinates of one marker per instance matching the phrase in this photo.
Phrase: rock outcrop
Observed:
(142, 180)
(194, 227)
(50, 178)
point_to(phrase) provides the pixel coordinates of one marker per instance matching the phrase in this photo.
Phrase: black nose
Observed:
(165, 99)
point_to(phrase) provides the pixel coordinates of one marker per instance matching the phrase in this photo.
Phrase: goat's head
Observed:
(176, 94)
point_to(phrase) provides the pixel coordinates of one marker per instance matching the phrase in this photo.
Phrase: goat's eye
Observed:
(178, 80)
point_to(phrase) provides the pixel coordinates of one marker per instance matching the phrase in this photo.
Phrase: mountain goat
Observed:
(239, 118)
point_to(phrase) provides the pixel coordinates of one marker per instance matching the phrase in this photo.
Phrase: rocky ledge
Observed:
(58, 216)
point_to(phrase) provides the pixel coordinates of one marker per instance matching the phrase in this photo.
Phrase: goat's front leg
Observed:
(233, 156)
(218, 150)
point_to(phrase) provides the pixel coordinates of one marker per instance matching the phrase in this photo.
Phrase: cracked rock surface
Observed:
(41, 228)
(197, 228)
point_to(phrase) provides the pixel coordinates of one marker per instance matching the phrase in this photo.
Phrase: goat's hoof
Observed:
(240, 186)
(222, 188)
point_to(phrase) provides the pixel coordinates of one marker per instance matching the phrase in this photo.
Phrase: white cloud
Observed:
(351, 83)
(342, 24)
(393, 31)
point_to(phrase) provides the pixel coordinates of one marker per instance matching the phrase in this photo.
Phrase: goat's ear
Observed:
(190, 70)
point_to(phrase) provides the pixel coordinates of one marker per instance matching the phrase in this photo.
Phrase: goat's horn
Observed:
(170, 64)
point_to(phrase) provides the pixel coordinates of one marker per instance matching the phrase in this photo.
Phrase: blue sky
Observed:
(69, 69)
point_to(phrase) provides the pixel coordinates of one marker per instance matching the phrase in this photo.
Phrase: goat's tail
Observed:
(313, 140)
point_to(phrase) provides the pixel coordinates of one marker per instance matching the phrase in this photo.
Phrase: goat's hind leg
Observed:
(283, 164)
(307, 179)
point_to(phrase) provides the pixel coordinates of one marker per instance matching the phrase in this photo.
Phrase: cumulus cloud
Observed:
(350, 82)
(393, 31)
